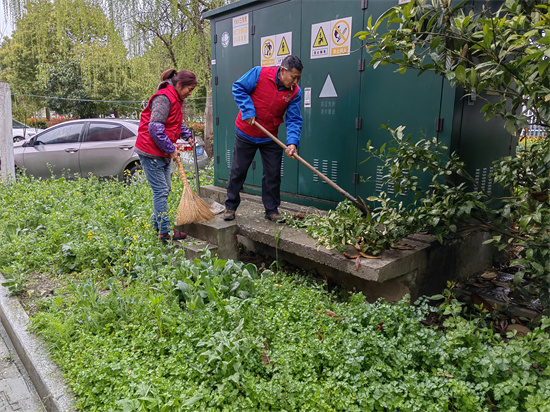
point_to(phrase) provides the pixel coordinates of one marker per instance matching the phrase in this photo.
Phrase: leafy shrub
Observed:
(526, 142)
(450, 203)
(196, 126)
(37, 122)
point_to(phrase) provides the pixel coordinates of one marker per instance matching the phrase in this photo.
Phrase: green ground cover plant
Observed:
(137, 327)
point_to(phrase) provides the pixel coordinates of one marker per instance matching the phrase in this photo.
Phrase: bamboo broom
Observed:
(192, 208)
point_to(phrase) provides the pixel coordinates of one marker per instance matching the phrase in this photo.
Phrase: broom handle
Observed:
(181, 171)
(310, 167)
(196, 163)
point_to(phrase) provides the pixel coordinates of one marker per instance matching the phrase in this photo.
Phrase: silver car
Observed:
(101, 147)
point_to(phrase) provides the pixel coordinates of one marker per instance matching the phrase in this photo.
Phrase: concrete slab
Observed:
(44, 374)
(424, 269)
(195, 247)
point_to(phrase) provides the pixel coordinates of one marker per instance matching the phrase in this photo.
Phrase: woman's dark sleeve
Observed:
(160, 108)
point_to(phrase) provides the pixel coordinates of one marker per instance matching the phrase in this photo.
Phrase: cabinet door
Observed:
(232, 57)
(393, 99)
(271, 44)
(331, 79)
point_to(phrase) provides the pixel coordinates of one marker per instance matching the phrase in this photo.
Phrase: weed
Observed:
(15, 280)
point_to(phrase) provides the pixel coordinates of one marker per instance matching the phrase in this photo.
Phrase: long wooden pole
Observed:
(358, 202)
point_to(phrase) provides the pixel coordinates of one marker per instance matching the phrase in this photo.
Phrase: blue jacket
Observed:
(242, 90)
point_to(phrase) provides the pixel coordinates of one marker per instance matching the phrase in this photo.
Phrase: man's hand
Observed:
(291, 150)
(251, 121)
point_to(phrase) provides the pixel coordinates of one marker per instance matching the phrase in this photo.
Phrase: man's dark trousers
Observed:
(243, 154)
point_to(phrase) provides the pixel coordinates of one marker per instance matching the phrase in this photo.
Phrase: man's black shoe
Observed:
(228, 215)
(275, 217)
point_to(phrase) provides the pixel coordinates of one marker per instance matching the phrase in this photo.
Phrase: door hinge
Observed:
(218, 159)
(356, 178)
(217, 121)
(439, 124)
(253, 165)
(358, 123)
(364, 4)
(253, 30)
(216, 80)
(361, 65)
(215, 38)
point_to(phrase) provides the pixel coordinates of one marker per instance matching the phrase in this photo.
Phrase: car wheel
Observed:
(134, 175)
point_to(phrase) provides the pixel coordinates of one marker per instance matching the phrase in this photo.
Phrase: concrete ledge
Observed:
(45, 376)
(392, 264)
(423, 269)
(194, 247)
(216, 232)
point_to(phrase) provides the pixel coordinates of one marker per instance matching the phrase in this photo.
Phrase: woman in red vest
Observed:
(160, 126)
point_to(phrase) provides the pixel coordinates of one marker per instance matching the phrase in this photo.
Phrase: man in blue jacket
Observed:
(269, 96)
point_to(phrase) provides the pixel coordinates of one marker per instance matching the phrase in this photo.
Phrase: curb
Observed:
(44, 374)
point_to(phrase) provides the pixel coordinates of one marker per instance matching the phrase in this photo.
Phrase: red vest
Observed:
(270, 104)
(172, 125)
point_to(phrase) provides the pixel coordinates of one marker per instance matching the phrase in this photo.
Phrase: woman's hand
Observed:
(175, 154)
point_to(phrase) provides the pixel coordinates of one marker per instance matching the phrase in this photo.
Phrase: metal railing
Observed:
(534, 130)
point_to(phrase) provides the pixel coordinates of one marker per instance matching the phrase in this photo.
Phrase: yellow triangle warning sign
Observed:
(321, 39)
(283, 48)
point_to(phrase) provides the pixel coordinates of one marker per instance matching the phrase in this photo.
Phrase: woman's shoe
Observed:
(178, 235)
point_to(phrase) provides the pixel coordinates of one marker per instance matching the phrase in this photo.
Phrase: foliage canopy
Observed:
(121, 48)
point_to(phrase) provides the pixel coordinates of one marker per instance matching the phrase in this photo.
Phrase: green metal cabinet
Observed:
(231, 62)
(345, 101)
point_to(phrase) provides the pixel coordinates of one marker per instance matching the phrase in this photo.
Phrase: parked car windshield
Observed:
(18, 125)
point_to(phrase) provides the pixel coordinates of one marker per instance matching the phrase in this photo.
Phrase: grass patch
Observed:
(137, 327)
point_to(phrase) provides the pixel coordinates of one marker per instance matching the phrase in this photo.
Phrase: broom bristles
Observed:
(192, 209)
